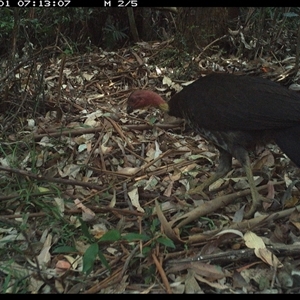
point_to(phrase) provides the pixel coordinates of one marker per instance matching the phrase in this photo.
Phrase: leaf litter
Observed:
(109, 208)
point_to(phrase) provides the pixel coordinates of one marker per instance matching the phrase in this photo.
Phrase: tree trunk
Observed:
(199, 26)
(132, 24)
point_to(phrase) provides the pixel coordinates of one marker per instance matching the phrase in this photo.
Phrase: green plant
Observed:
(113, 35)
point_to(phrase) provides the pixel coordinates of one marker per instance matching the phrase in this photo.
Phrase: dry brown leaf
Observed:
(255, 242)
(270, 195)
(211, 272)
(212, 284)
(98, 230)
(191, 284)
(176, 176)
(44, 257)
(169, 232)
(295, 218)
(217, 184)
(168, 190)
(87, 214)
(268, 257)
(232, 231)
(291, 202)
(128, 171)
(62, 266)
(134, 197)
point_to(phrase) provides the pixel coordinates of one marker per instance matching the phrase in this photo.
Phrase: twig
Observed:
(120, 211)
(213, 42)
(118, 129)
(148, 126)
(67, 132)
(100, 152)
(244, 225)
(162, 274)
(164, 169)
(112, 279)
(127, 261)
(51, 179)
(212, 205)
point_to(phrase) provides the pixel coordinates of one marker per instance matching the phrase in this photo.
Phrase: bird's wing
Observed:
(238, 103)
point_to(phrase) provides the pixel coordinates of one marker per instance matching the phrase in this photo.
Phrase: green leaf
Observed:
(154, 225)
(111, 236)
(146, 250)
(85, 230)
(136, 236)
(152, 120)
(89, 258)
(166, 242)
(103, 260)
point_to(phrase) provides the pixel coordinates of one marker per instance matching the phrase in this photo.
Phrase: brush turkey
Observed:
(236, 113)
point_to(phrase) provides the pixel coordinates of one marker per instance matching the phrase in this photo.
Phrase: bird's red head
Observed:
(145, 98)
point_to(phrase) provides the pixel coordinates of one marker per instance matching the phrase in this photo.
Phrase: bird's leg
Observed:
(225, 162)
(243, 157)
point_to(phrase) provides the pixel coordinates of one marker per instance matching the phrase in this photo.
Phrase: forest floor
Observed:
(95, 200)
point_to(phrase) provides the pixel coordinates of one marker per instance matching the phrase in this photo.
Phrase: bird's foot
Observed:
(249, 214)
(255, 205)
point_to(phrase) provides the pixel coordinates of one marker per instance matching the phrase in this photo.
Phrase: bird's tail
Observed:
(288, 140)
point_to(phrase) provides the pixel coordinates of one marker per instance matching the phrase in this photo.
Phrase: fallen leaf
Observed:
(169, 232)
(87, 214)
(62, 266)
(128, 171)
(268, 257)
(44, 257)
(255, 242)
(134, 197)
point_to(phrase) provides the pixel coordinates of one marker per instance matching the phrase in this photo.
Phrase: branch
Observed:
(51, 179)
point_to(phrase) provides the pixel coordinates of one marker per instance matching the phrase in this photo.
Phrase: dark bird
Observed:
(236, 113)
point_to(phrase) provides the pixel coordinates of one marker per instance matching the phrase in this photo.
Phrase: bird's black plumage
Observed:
(233, 110)
(231, 102)
(236, 113)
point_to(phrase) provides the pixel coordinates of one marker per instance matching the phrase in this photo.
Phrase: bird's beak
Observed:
(129, 109)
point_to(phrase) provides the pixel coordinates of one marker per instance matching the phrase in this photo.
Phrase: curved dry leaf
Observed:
(134, 197)
(217, 184)
(294, 87)
(268, 257)
(188, 168)
(113, 200)
(253, 241)
(44, 257)
(128, 171)
(212, 284)
(106, 150)
(74, 261)
(169, 188)
(234, 231)
(168, 230)
(191, 284)
(167, 80)
(158, 152)
(87, 213)
(88, 76)
(211, 272)
(151, 183)
(62, 266)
